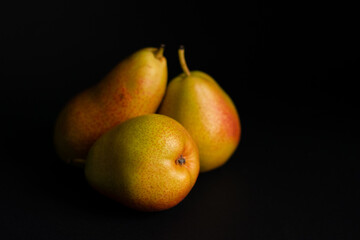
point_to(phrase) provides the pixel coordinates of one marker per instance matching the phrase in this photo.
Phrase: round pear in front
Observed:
(148, 163)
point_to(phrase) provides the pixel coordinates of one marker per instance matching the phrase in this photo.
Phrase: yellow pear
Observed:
(148, 163)
(134, 87)
(197, 101)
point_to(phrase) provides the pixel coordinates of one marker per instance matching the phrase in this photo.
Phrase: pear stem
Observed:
(159, 53)
(183, 65)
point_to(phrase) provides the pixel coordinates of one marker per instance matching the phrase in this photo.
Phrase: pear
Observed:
(197, 101)
(132, 88)
(148, 163)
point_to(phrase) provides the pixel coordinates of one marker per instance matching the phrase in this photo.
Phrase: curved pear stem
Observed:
(182, 60)
(160, 52)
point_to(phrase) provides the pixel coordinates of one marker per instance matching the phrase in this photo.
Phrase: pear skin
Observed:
(197, 101)
(134, 87)
(148, 163)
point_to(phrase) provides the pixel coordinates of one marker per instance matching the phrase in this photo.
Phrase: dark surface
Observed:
(290, 69)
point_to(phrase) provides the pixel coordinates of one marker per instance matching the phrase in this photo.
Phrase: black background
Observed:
(291, 69)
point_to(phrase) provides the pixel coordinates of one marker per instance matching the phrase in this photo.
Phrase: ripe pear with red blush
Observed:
(132, 88)
(148, 163)
(198, 102)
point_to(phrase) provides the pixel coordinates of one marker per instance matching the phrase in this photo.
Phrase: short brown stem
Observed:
(160, 52)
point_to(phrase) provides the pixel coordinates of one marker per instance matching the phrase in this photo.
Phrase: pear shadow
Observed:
(42, 175)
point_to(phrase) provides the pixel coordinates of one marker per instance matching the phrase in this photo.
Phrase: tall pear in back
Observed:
(132, 88)
(197, 101)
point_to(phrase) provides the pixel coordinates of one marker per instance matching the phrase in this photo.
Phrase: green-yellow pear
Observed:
(196, 101)
(148, 163)
(134, 87)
